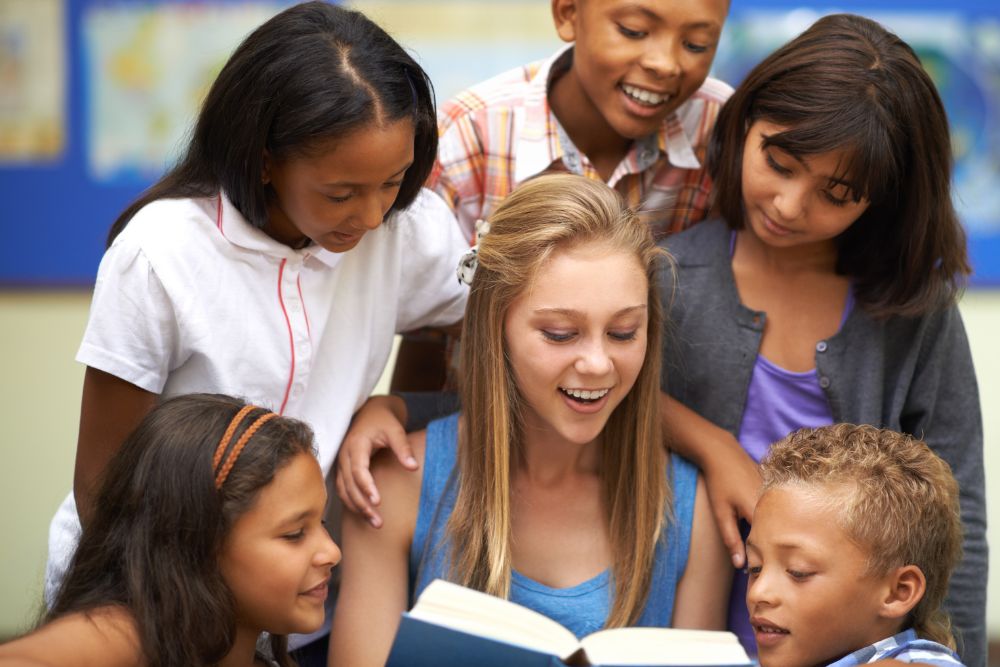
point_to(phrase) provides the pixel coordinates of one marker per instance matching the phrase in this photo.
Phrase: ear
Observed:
(905, 588)
(565, 14)
(265, 170)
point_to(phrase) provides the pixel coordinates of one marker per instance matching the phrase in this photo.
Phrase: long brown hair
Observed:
(848, 83)
(159, 522)
(900, 504)
(541, 217)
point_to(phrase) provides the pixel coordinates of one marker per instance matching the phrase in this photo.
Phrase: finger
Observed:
(400, 446)
(345, 498)
(730, 531)
(359, 498)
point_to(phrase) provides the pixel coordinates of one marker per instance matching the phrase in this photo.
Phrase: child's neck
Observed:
(818, 257)
(586, 127)
(244, 651)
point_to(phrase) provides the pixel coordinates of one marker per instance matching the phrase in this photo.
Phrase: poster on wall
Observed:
(32, 80)
(147, 68)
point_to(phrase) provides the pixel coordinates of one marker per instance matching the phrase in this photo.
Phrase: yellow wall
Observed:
(40, 403)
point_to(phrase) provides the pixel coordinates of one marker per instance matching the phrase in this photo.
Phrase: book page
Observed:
(663, 646)
(466, 610)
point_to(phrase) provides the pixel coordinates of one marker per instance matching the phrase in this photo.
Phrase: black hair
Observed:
(310, 74)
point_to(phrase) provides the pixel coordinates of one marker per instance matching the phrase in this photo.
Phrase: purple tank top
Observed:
(779, 401)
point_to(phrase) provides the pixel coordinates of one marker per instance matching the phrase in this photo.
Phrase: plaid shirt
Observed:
(502, 131)
(905, 647)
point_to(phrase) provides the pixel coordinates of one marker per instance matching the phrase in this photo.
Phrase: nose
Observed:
(372, 212)
(790, 201)
(594, 358)
(328, 553)
(660, 58)
(760, 590)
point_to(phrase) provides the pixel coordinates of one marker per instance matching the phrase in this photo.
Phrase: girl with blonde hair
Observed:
(552, 487)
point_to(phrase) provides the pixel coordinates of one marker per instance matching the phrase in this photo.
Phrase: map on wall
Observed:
(32, 80)
(147, 68)
(962, 55)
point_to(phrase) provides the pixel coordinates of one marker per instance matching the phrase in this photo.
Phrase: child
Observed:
(206, 532)
(259, 265)
(628, 102)
(827, 294)
(552, 488)
(854, 537)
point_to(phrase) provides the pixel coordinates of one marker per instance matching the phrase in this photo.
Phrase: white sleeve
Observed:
(430, 293)
(132, 331)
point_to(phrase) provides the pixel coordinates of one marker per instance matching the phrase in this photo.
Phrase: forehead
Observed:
(800, 514)
(593, 279)
(371, 152)
(674, 12)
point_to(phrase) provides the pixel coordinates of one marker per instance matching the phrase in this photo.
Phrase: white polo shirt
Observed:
(192, 298)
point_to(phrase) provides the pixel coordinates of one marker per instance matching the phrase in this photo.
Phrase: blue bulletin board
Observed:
(96, 97)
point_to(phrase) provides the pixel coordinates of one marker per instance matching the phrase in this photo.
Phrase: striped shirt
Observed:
(905, 647)
(502, 131)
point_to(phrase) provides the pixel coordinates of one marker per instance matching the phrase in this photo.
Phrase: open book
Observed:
(451, 625)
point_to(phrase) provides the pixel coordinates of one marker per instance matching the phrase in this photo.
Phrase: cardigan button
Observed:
(824, 382)
(821, 346)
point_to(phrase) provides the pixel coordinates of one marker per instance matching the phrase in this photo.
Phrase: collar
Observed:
(867, 654)
(542, 139)
(235, 229)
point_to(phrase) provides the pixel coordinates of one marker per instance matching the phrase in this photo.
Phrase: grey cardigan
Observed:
(913, 375)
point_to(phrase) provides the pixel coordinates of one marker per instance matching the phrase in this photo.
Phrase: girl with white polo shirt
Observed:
(260, 265)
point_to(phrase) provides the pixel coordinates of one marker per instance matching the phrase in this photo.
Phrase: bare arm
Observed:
(101, 638)
(374, 570)
(111, 408)
(703, 591)
(731, 476)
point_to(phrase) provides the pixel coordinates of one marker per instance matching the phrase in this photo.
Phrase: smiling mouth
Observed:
(585, 395)
(645, 97)
(765, 629)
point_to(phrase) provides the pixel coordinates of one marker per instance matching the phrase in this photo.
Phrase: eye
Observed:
(631, 34)
(393, 184)
(773, 164)
(834, 199)
(752, 571)
(294, 537)
(798, 575)
(622, 336)
(557, 336)
(696, 48)
(338, 200)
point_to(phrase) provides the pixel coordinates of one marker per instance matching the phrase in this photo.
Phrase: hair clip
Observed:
(467, 266)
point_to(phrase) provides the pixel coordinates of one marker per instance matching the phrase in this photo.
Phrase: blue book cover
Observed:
(452, 626)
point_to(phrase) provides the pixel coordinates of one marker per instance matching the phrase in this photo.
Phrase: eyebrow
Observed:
(296, 518)
(656, 17)
(352, 184)
(569, 312)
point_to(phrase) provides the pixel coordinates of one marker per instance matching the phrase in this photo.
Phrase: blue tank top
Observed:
(583, 608)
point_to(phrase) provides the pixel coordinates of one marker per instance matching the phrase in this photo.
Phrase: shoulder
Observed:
(163, 231)
(714, 92)
(702, 243)
(106, 636)
(505, 91)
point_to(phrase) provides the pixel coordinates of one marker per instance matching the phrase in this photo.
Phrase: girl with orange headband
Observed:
(207, 532)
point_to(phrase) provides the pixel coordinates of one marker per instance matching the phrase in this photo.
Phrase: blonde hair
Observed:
(543, 216)
(900, 504)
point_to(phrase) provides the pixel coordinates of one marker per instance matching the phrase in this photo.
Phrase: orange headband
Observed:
(223, 473)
